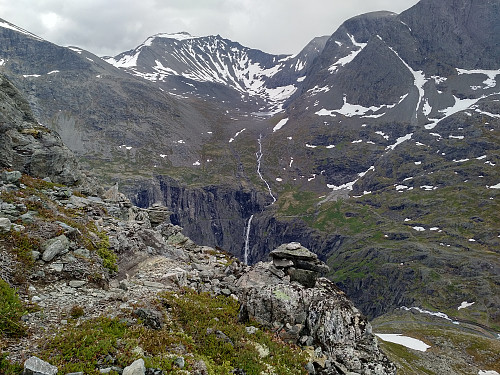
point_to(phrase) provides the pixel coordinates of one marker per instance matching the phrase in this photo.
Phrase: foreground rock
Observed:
(316, 315)
(35, 366)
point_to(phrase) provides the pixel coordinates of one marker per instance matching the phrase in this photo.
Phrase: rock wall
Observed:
(29, 147)
(218, 216)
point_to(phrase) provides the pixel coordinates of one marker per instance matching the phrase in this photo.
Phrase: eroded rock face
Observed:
(320, 317)
(30, 147)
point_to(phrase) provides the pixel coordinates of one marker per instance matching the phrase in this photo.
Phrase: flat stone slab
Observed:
(36, 366)
(293, 250)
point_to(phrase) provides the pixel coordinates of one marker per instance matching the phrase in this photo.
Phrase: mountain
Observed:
(216, 68)
(384, 159)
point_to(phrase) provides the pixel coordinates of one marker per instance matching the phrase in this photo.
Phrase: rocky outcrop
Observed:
(311, 312)
(28, 146)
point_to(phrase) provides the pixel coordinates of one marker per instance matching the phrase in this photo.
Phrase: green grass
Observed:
(11, 311)
(200, 316)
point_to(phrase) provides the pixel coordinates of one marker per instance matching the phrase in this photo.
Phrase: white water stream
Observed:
(259, 155)
(247, 242)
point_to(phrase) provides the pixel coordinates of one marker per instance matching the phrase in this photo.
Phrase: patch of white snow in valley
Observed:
(279, 179)
(494, 115)
(196, 163)
(2, 62)
(465, 304)
(330, 146)
(310, 146)
(316, 90)
(301, 79)
(31, 75)
(53, 72)
(349, 185)
(237, 134)
(399, 141)
(436, 314)
(419, 229)
(487, 372)
(280, 124)
(350, 110)
(386, 137)
(406, 341)
(497, 186)
(490, 82)
(460, 105)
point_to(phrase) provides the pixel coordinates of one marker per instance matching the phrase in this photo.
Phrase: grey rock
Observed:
(5, 225)
(67, 228)
(136, 368)
(321, 314)
(293, 251)
(77, 283)
(28, 217)
(179, 362)
(282, 263)
(11, 177)
(54, 247)
(251, 330)
(82, 252)
(36, 366)
(150, 318)
(304, 277)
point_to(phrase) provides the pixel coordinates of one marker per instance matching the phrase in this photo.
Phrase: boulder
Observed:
(293, 250)
(319, 315)
(11, 177)
(136, 368)
(36, 366)
(54, 247)
(5, 225)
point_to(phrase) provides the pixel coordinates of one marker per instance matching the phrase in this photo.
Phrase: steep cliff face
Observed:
(27, 146)
(240, 221)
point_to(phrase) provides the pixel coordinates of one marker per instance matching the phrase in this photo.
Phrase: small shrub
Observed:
(11, 311)
(108, 256)
(76, 311)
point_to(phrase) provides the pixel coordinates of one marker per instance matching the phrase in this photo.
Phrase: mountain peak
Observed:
(7, 25)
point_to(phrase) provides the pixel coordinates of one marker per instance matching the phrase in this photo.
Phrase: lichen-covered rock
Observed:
(36, 366)
(54, 247)
(321, 316)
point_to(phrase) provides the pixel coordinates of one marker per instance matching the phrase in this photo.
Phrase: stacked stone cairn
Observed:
(299, 263)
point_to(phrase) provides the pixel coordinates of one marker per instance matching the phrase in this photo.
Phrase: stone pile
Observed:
(299, 263)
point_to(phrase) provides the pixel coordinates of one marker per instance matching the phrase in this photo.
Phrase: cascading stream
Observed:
(259, 155)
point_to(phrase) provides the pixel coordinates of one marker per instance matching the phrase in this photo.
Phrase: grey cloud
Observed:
(107, 27)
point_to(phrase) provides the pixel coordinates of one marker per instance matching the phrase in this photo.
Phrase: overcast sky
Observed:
(108, 27)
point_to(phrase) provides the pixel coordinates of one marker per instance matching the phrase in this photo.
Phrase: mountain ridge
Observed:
(384, 161)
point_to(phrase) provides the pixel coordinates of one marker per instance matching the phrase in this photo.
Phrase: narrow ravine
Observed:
(259, 155)
(247, 240)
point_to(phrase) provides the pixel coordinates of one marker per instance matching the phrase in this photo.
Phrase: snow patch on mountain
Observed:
(350, 57)
(490, 82)
(280, 124)
(409, 342)
(7, 25)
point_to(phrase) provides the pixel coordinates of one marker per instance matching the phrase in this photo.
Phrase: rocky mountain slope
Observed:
(384, 161)
(107, 287)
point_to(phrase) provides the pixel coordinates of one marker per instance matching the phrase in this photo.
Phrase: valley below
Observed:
(377, 148)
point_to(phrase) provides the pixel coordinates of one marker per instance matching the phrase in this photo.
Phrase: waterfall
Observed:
(259, 155)
(247, 235)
